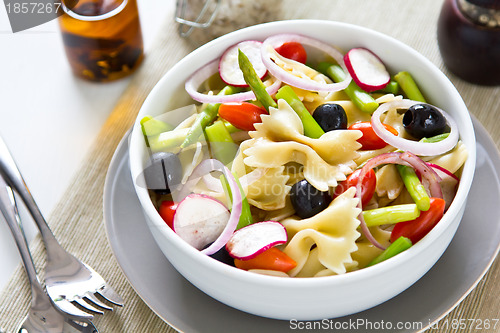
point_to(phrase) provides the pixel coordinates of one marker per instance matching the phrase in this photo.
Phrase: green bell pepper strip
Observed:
(246, 214)
(409, 86)
(391, 214)
(414, 186)
(363, 100)
(311, 127)
(399, 245)
(255, 83)
(205, 117)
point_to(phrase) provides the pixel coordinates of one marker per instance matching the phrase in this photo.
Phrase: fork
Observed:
(67, 279)
(42, 316)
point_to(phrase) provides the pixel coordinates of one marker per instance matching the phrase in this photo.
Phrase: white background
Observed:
(48, 117)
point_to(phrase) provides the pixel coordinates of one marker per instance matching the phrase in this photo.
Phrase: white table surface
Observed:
(48, 117)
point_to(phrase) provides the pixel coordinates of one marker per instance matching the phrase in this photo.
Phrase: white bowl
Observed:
(307, 298)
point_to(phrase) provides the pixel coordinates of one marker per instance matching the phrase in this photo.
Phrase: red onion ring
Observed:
(200, 76)
(416, 147)
(268, 51)
(406, 158)
(202, 169)
(443, 170)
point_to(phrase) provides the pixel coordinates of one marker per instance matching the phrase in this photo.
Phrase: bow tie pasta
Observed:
(332, 231)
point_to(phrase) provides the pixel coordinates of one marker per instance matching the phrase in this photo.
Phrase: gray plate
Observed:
(186, 308)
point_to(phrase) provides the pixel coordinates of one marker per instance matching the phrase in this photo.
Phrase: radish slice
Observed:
(206, 72)
(247, 242)
(269, 53)
(229, 68)
(202, 169)
(449, 183)
(366, 69)
(200, 219)
(416, 147)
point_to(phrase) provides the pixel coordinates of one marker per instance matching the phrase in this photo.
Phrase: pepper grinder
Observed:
(469, 39)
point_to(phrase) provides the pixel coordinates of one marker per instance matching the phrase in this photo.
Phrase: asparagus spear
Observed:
(205, 117)
(437, 138)
(311, 127)
(409, 86)
(222, 145)
(391, 88)
(246, 215)
(390, 214)
(399, 245)
(414, 186)
(363, 100)
(255, 83)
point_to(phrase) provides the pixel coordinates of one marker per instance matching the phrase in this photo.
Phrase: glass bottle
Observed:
(102, 38)
(469, 39)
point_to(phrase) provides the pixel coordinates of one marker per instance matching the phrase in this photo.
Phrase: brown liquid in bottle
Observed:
(469, 39)
(102, 38)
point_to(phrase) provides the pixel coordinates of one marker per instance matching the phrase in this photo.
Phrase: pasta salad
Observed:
(298, 160)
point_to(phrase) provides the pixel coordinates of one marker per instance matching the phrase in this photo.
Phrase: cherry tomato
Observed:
(167, 212)
(273, 259)
(416, 229)
(370, 140)
(367, 187)
(241, 114)
(294, 51)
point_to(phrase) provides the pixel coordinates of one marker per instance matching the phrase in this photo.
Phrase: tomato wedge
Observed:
(370, 140)
(367, 186)
(167, 212)
(242, 115)
(272, 259)
(416, 229)
(294, 51)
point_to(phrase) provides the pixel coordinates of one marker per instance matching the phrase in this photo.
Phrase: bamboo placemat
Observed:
(77, 220)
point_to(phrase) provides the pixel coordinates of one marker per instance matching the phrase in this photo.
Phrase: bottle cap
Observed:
(490, 4)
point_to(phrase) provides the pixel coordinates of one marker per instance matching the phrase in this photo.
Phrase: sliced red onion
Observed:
(195, 81)
(407, 159)
(202, 169)
(416, 147)
(448, 184)
(445, 171)
(269, 52)
(248, 242)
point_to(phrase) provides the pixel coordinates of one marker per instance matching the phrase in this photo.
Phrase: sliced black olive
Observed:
(163, 172)
(308, 200)
(424, 121)
(330, 117)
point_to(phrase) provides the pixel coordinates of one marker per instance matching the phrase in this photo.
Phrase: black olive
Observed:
(330, 117)
(223, 256)
(424, 121)
(163, 172)
(308, 200)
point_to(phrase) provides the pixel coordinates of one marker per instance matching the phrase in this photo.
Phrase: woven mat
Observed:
(77, 220)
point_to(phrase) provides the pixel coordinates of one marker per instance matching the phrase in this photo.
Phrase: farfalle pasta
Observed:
(331, 231)
(300, 172)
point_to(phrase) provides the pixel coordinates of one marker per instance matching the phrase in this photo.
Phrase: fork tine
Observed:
(110, 295)
(87, 306)
(70, 309)
(91, 297)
